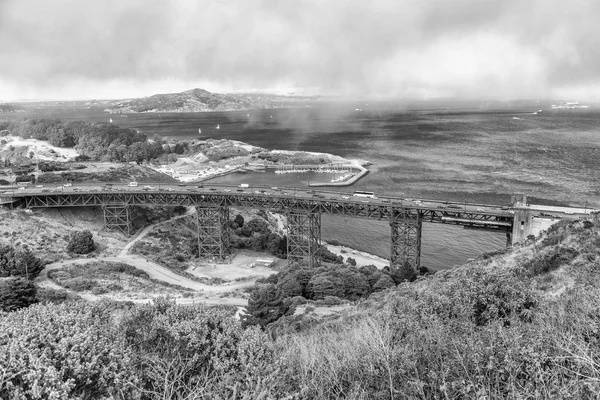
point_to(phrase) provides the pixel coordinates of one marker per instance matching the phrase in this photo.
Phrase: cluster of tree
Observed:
(256, 235)
(17, 270)
(81, 242)
(47, 166)
(272, 297)
(25, 178)
(99, 141)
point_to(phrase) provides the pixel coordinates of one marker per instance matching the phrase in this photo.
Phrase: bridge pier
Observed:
(405, 249)
(304, 236)
(213, 231)
(119, 217)
(522, 222)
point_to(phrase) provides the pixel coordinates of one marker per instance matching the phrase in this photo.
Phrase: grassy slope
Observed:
(524, 324)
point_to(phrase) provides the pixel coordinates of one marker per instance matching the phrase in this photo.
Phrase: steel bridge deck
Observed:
(499, 220)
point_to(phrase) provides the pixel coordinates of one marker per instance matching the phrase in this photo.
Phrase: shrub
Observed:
(81, 242)
(551, 260)
(55, 296)
(64, 351)
(98, 290)
(16, 293)
(182, 350)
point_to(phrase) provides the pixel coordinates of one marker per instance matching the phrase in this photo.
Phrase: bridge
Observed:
(302, 207)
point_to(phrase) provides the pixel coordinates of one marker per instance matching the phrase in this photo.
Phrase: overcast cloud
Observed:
(503, 49)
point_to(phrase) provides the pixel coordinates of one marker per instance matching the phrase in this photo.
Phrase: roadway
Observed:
(287, 192)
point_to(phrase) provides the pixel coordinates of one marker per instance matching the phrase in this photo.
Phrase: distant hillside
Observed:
(198, 100)
(5, 107)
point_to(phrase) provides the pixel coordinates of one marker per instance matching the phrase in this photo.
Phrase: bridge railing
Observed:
(252, 187)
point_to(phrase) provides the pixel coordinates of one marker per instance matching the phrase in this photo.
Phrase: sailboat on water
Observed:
(218, 127)
(110, 120)
(199, 130)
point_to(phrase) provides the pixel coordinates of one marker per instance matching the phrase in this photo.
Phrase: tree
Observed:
(19, 263)
(239, 220)
(16, 293)
(81, 242)
(403, 273)
(384, 282)
(351, 261)
(323, 285)
(355, 285)
(265, 305)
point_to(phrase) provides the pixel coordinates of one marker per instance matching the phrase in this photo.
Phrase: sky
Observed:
(381, 49)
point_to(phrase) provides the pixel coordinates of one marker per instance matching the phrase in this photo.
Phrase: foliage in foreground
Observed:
(484, 330)
(156, 351)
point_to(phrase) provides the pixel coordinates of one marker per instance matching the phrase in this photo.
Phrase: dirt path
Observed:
(154, 271)
(146, 230)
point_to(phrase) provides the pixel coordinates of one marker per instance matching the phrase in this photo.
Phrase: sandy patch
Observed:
(238, 267)
(42, 150)
(362, 258)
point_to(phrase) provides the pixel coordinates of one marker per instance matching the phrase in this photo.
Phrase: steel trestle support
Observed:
(213, 231)
(304, 237)
(405, 249)
(119, 217)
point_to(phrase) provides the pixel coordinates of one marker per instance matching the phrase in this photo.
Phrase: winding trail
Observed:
(146, 230)
(154, 271)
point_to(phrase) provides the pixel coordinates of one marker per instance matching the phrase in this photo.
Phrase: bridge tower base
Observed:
(213, 231)
(119, 217)
(405, 249)
(304, 237)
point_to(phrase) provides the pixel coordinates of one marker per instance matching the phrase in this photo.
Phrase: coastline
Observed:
(362, 258)
(199, 167)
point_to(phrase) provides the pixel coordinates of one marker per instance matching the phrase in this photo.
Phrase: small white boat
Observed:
(218, 127)
(110, 120)
(199, 130)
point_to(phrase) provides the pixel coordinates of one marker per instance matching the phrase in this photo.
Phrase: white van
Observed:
(132, 184)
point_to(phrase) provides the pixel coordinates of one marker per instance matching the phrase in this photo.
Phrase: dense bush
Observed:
(55, 296)
(550, 260)
(255, 235)
(25, 178)
(189, 351)
(81, 242)
(64, 351)
(16, 293)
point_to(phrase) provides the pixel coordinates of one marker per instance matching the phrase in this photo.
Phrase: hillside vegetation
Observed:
(521, 324)
(196, 100)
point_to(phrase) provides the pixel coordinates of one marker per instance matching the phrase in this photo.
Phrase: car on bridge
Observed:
(481, 209)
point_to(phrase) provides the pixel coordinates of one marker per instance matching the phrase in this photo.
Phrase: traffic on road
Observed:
(261, 190)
